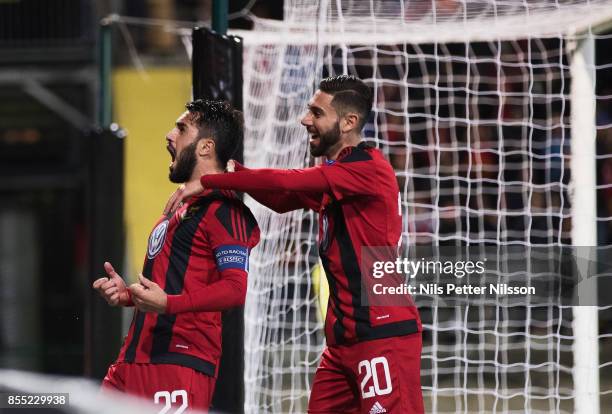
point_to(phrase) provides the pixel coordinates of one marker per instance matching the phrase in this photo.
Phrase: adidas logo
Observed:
(377, 408)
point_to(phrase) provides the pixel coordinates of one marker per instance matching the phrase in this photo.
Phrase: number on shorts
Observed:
(170, 398)
(371, 371)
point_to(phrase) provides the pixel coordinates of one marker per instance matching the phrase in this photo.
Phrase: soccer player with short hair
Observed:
(372, 361)
(195, 267)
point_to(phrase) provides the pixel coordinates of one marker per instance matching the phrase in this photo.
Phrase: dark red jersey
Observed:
(199, 256)
(362, 210)
(357, 198)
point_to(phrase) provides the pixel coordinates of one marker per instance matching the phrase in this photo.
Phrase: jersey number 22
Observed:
(170, 398)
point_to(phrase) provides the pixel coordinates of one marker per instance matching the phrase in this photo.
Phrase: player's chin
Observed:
(315, 150)
(172, 168)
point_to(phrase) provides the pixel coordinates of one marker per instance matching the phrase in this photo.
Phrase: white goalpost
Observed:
(484, 108)
(584, 222)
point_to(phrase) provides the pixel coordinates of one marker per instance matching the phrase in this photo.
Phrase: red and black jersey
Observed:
(199, 256)
(357, 198)
(361, 210)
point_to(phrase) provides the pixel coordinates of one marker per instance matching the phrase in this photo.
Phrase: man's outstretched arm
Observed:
(281, 201)
(308, 180)
(304, 181)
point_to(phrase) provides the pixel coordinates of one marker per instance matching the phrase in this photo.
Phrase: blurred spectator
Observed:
(604, 168)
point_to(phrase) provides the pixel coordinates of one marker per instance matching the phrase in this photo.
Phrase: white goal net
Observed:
(478, 109)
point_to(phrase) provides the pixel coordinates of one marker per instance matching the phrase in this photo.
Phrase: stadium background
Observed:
(59, 198)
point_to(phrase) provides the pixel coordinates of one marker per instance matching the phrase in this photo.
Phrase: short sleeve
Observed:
(353, 175)
(232, 232)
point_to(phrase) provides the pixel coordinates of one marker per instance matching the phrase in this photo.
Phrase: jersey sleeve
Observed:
(268, 179)
(352, 176)
(232, 232)
(284, 201)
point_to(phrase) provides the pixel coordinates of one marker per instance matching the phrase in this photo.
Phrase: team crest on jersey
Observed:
(157, 238)
(189, 212)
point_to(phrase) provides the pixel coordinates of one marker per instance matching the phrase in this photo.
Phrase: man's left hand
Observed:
(184, 191)
(148, 296)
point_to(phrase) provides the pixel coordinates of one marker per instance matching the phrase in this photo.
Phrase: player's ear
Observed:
(206, 147)
(349, 122)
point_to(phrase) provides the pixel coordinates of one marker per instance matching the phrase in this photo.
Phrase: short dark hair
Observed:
(220, 121)
(349, 94)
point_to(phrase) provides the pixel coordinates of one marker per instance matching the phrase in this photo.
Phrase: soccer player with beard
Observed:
(372, 361)
(195, 267)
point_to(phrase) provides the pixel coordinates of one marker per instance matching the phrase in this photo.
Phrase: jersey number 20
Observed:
(170, 398)
(370, 367)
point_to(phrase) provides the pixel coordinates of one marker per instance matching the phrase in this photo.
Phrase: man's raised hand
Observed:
(112, 288)
(233, 166)
(184, 191)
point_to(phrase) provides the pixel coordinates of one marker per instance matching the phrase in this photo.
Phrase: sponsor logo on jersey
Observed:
(157, 238)
(377, 408)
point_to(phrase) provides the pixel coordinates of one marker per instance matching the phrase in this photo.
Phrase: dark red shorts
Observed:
(369, 377)
(162, 384)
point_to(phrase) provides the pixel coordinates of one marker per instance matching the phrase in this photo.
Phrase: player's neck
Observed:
(348, 141)
(205, 167)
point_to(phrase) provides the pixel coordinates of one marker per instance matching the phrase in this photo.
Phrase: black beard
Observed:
(327, 140)
(185, 164)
